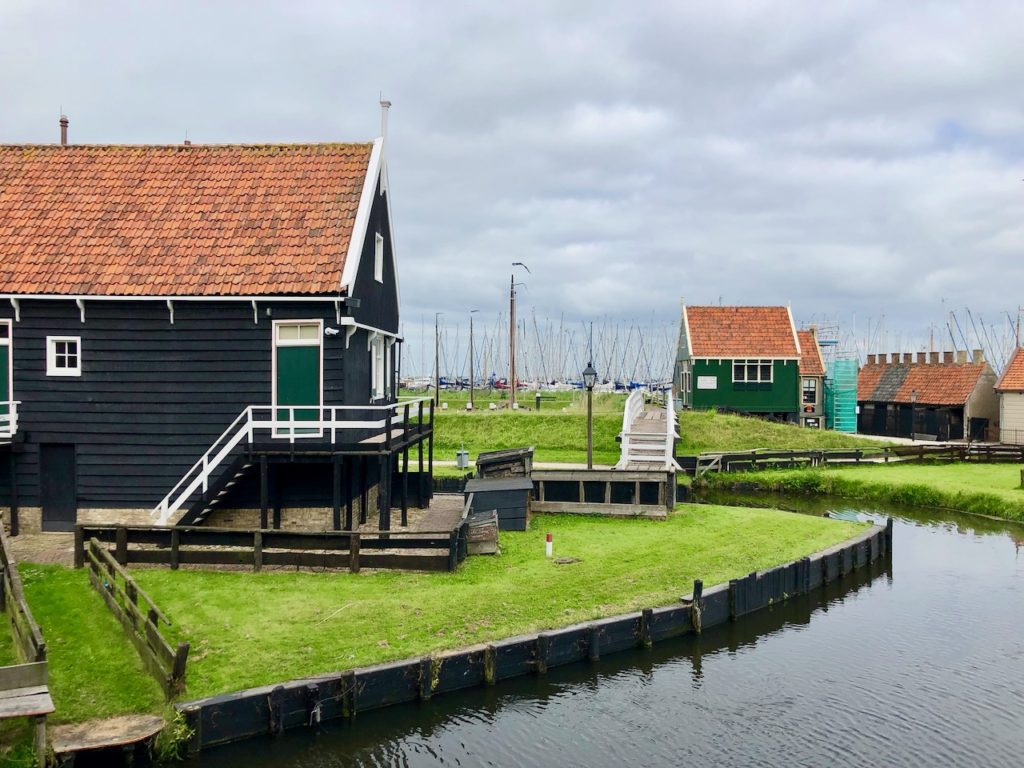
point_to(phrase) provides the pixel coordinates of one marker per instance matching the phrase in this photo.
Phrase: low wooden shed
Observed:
(510, 497)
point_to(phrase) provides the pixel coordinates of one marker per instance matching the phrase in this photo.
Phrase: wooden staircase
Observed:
(219, 490)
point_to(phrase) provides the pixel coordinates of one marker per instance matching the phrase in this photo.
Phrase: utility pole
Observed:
(471, 379)
(512, 332)
(437, 360)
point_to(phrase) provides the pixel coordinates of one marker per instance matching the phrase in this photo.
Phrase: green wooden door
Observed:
(298, 382)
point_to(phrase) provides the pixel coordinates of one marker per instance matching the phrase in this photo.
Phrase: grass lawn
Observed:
(252, 629)
(556, 436)
(702, 431)
(94, 669)
(990, 489)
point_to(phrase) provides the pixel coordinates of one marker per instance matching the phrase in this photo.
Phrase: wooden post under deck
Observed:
(349, 493)
(13, 467)
(430, 453)
(336, 493)
(405, 487)
(264, 491)
(364, 489)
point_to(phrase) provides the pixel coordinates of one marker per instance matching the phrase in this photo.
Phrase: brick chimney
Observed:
(908, 358)
(922, 358)
(947, 357)
(63, 130)
(872, 359)
(979, 355)
(933, 357)
(894, 358)
(961, 356)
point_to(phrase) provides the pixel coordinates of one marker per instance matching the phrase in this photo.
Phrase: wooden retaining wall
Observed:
(620, 493)
(300, 703)
(140, 617)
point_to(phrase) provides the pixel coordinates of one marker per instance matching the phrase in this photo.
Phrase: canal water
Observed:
(918, 662)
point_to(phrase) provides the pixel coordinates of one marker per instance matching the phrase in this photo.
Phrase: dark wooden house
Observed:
(202, 333)
(928, 397)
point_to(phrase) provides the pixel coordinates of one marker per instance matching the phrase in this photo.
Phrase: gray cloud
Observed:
(858, 160)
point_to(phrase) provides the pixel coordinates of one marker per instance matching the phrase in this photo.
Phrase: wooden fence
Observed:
(24, 688)
(27, 636)
(743, 461)
(140, 617)
(330, 550)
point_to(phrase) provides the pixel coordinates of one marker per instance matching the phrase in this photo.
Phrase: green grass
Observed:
(95, 671)
(253, 629)
(702, 431)
(556, 436)
(988, 489)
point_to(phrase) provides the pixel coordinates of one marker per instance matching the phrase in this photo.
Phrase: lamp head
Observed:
(589, 376)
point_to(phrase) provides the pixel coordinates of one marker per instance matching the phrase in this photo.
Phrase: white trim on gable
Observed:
(686, 325)
(362, 222)
(792, 327)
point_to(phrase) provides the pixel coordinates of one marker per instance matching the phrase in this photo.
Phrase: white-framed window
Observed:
(63, 355)
(810, 391)
(298, 334)
(378, 258)
(378, 368)
(752, 371)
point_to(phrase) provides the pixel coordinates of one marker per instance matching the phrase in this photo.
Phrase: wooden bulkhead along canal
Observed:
(917, 660)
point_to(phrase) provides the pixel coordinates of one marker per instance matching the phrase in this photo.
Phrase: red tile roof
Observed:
(1013, 377)
(811, 363)
(178, 220)
(741, 332)
(933, 383)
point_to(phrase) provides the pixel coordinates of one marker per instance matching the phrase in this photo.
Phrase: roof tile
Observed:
(929, 383)
(811, 363)
(741, 332)
(1013, 377)
(178, 220)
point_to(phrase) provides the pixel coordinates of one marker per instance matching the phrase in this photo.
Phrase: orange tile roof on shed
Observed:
(811, 363)
(732, 332)
(195, 220)
(1013, 377)
(930, 383)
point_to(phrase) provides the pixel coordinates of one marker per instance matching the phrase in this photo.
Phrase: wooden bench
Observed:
(24, 693)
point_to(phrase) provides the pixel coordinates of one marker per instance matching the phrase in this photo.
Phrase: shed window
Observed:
(378, 258)
(63, 356)
(752, 371)
(810, 390)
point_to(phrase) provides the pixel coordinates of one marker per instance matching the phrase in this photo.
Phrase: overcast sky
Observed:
(854, 159)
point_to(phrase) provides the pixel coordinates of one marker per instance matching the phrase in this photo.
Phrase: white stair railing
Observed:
(282, 422)
(648, 447)
(8, 418)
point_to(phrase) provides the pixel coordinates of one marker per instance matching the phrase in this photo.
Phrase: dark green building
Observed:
(744, 359)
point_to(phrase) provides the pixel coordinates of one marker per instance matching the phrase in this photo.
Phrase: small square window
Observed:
(63, 356)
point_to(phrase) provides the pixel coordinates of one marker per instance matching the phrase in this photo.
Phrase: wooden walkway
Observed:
(648, 436)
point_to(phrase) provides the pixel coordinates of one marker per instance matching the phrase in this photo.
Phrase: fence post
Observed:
(353, 549)
(453, 549)
(178, 668)
(121, 552)
(79, 546)
(175, 544)
(257, 551)
(695, 606)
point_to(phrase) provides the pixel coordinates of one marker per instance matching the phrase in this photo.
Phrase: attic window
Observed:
(63, 356)
(752, 371)
(378, 258)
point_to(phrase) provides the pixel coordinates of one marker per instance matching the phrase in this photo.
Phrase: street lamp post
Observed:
(589, 380)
